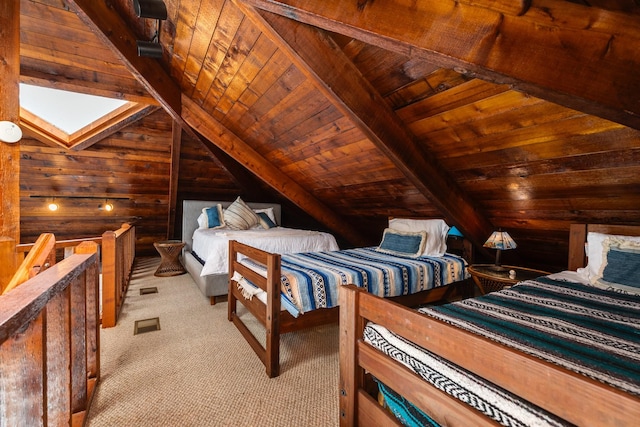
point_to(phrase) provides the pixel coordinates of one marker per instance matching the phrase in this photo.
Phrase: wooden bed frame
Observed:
(573, 397)
(277, 321)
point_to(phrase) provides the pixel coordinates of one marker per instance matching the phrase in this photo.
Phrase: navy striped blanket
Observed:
(584, 329)
(311, 279)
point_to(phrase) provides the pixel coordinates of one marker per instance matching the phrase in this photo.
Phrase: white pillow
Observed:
(269, 212)
(436, 230)
(595, 250)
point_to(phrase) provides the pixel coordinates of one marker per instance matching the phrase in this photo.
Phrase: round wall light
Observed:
(10, 132)
(53, 206)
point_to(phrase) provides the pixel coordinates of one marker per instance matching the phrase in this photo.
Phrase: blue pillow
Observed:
(620, 271)
(211, 217)
(402, 243)
(265, 221)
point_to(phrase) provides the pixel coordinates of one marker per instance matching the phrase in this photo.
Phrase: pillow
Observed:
(595, 252)
(402, 243)
(265, 221)
(436, 230)
(211, 217)
(240, 216)
(269, 212)
(620, 270)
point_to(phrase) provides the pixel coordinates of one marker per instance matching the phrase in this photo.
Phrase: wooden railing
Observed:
(50, 345)
(118, 253)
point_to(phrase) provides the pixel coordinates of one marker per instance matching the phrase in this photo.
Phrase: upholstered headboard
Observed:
(191, 209)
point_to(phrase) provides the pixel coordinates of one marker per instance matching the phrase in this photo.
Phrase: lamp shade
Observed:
(500, 240)
(454, 232)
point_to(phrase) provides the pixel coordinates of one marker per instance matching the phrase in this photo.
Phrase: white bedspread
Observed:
(212, 245)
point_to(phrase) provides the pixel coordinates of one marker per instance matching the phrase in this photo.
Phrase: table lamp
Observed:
(500, 241)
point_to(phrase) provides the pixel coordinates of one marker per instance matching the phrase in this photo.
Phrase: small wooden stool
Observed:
(169, 251)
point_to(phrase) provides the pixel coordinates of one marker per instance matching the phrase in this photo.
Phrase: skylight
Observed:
(67, 111)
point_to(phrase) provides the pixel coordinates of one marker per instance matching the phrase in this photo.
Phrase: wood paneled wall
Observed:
(130, 169)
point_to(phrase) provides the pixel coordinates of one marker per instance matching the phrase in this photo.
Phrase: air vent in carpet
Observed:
(146, 291)
(146, 325)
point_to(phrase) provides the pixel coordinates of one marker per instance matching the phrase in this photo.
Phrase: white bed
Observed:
(206, 250)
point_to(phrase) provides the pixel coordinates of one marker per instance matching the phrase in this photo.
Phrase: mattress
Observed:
(212, 245)
(587, 330)
(310, 280)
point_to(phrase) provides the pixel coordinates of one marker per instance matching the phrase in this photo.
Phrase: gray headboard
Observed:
(191, 209)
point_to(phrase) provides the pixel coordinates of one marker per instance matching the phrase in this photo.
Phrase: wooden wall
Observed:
(130, 169)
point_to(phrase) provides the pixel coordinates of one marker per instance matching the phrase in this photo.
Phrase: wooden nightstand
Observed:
(489, 280)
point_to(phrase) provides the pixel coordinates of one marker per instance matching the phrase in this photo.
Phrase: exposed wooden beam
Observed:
(114, 32)
(576, 56)
(316, 54)
(105, 22)
(10, 111)
(210, 128)
(176, 142)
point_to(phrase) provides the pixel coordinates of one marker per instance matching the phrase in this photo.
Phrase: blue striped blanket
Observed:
(587, 330)
(311, 279)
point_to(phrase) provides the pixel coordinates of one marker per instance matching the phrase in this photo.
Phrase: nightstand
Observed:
(169, 251)
(489, 280)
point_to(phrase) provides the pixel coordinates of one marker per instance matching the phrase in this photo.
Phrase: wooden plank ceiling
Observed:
(460, 109)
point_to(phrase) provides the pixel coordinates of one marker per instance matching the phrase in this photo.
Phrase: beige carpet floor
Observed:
(197, 370)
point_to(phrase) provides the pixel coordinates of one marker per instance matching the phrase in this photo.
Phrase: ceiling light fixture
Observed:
(10, 132)
(157, 10)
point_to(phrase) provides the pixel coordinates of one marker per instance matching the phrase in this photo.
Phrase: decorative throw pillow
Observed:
(595, 251)
(436, 230)
(402, 243)
(269, 212)
(620, 270)
(240, 216)
(265, 221)
(211, 217)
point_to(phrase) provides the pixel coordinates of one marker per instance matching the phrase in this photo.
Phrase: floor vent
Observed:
(146, 325)
(147, 291)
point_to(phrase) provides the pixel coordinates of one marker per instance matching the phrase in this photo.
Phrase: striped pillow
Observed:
(240, 216)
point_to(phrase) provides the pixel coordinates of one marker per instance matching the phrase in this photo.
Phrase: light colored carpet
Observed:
(199, 371)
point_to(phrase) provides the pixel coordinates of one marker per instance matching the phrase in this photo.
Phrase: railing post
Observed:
(8, 261)
(109, 281)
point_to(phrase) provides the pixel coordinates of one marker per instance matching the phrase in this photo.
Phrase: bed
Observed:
(555, 378)
(205, 254)
(278, 280)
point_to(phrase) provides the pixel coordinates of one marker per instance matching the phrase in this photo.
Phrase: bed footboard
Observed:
(572, 397)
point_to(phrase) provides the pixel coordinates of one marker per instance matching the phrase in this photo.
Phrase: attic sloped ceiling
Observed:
(518, 161)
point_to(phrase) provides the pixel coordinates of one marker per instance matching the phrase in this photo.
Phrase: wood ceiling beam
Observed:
(317, 55)
(222, 137)
(104, 20)
(111, 29)
(581, 57)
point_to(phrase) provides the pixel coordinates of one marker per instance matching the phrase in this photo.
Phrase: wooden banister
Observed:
(38, 258)
(118, 253)
(49, 344)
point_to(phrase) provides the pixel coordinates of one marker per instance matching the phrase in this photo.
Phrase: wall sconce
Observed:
(157, 10)
(10, 132)
(499, 240)
(107, 206)
(53, 206)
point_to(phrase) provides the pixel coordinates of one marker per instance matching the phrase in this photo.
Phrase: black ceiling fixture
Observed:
(155, 9)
